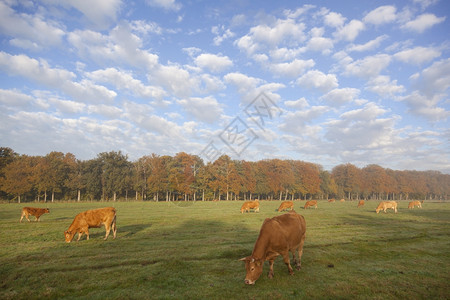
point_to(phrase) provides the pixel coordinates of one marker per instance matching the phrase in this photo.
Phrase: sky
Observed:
(328, 82)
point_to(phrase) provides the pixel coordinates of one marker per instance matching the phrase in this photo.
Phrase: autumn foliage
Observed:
(109, 176)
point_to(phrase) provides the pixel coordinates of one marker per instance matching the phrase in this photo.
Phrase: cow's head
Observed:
(254, 268)
(69, 235)
(378, 209)
(47, 210)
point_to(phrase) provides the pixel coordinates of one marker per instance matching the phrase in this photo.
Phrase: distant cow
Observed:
(342, 200)
(310, 203)
(361, 203)
(248, 205)
(286, 205)
(37, 212)
(332, 200)
(92, 219)
(385, 205)
(277, 236)
(412, 204)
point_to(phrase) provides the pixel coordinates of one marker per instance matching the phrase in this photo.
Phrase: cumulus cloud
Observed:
(339, 97)
(350, 31)
(295, 121)
(384, 86)
(368, 67)
(370, 45)
(205, 109)
(334, 19)
(381, 15)
(292, 69)
(100, 12)
(418, 55)
(213, 63)
(422, 23)
(315, 79)
(165, 4)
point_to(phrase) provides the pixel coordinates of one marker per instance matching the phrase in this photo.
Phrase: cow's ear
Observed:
(244, 258)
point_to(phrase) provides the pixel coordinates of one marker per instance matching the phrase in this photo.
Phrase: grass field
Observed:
(167, 251)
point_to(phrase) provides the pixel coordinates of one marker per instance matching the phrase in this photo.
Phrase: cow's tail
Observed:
(114, 225)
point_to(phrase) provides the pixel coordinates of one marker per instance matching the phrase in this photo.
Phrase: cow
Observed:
(412, 204)
(310, 203)
(361, 203)
(37, 212)
(332, 200)
(94, 218)
(248, 205)
(385, 205)
(286, 205)
(278, 236)
(342, 200)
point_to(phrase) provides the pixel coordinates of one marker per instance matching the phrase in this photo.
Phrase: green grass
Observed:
(166, 251)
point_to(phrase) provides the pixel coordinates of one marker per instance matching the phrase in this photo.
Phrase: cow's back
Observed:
(289, 227)
(95, 217)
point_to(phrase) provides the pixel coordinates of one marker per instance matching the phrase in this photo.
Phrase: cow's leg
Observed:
(80, 233)
(270, 275)
(114, 227)
(300, 252)
(37, 219)
(21, 217)
(287, 261)
(108, 230)
(87, 233)
(26, 216)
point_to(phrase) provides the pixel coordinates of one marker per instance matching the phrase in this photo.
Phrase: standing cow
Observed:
(248, 205)
(94, 218)
(277, 236)
(385, 205)
(310, 203)
(361, 203)
(412, 204)
(286, 205)
(37, 212)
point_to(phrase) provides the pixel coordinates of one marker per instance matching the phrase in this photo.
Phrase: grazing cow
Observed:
(37, 212)
(361, 203)
(286, 205)
(412, 204)
(332, 200)
(342, 200)
(310, 203)
(385, 205)
(92, 219)
(277, 236)
(248, 205)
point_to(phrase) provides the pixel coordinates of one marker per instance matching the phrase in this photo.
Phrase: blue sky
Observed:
(328, 82)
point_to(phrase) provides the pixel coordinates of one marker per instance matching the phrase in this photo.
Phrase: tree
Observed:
(348, 178)
(115, 170)
(18, 176)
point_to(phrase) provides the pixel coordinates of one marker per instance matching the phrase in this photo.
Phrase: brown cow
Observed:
(248, 205)
(412, 204)
(286, 205)
(277, 236)
(332, 200)
(361, 203)
(92, 219)
(385, 205)
(342, 200)
(310, 203)
(37, 212)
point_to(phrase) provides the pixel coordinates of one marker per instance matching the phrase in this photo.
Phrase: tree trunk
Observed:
(53, 196)
(79, 196)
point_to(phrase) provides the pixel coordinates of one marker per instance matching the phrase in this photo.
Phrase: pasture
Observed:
(191, 251)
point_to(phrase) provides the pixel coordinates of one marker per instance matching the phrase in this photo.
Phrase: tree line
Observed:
(185, 177)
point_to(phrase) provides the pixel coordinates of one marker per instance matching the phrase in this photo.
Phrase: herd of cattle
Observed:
(278, 235)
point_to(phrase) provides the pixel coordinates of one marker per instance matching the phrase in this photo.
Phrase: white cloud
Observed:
(418, 55)
(370, 45)
(339, 97)
(350, 31)
(297, 104)
(213, 63)
(29, 31)
(165, 4)
(219, 38)
(369, 66)
(383, 86)
(334, 19)
(426, 106)
(423, 22)
(244, 83)
(294, 122)
(99, 12)
(319, 43)
(205, 109)
(293, 68)
(381, 15)
(318, 80)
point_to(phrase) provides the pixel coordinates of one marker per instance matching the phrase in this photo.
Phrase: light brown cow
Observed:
(277, 236)
(310, 203)
(94, 218)
(37, 212)
(361, 203)
(385, 205)
(412, 204)
(342, 200)
(332, 200)
(248, 205)
(286, 205)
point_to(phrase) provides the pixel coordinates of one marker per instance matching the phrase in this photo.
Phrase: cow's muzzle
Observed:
(248, 281)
